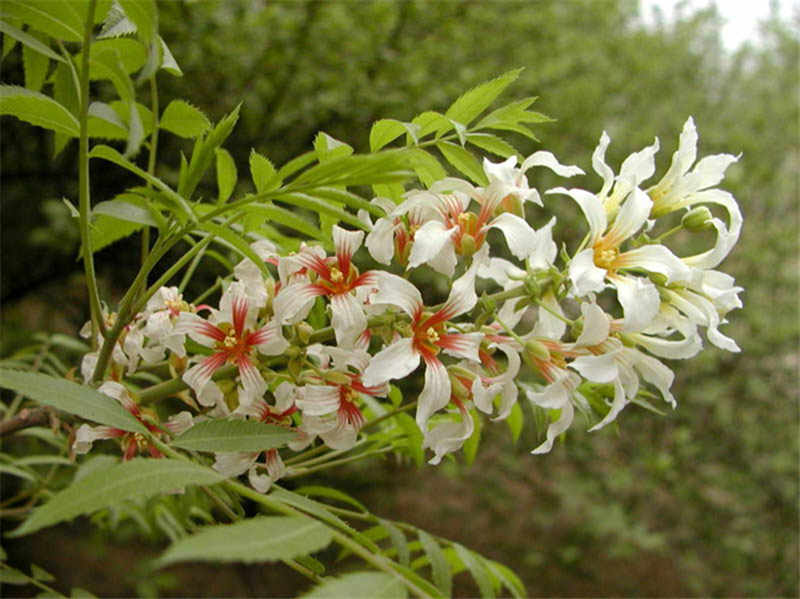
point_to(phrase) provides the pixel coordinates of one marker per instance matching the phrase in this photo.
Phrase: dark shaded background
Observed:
(700, 502)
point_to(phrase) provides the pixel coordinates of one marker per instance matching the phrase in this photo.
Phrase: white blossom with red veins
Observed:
(330, 400)
(429, 337)
(232, 335)
(337, 278)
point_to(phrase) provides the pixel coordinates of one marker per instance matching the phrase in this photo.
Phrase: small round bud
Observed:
(338, 378)
(467, 246)
(697, 219)
(535, 350)
(304, 331)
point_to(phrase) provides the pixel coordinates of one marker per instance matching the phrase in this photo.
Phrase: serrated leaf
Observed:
(106, 230)
(37, 109)
(79, 593)
(440, 570)
(383, 132)
(492, 143)
(476, 566)
(233, 435)
(360, 585)
(35, 65)
(143, 14)
(107, 63)
(139, 478)
(60, 20)
(265, 177)
(184, 120)
(413, 436)
(463, 161)
(259, 539)
(297, 164)
(130, 53)
(226, 174)
(358, 169)
(29, 41)
(70, 397)
(432, 122)
(66, 94)
(349, 199)
(475, 101)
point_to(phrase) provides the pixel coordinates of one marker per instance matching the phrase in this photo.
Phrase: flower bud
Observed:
(338, 378)
(304, 331)
(467, 246)
(697, 219)
(535, 350)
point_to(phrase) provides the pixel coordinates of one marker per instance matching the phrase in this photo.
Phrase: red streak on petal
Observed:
(209, 330)
(454, 341)
(239, 314)
(260, 336)
(315, 263)
(214, 362)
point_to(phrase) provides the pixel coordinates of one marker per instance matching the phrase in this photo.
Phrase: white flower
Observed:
(508, 181)
(337, 279)
(603, 262)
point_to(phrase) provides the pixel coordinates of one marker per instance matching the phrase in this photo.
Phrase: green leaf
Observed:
(318, 206)
(281, 216)
(508, 578)
(492, 143)
(383, 132)
(360, 585)
(184, 120)
(66, 94)
(203, 154)
(61, 20)
(41, 574)
(29, 41)
(297, 164)
(328, 147)
(514, 112)
(168, 62)
(125, 207)
(440, 570)
(349, 199)
(110, 154)
(233, 435)
(71, 397)
(226, 174)
(37, 109)
(106, 230)
(139, 478)
(476, 566)
(330, 493)
(472, 103)
(431, 121)
(18, 472)
(264, 175)
(359, 169)
(135, 130)
(104, 122)
(413, 437)
(259, 539)
(516, 419)
(426, 167)
(35, 65)
(463, 161)
(471, 444)
(9, 575)
(235, 242)
(79, 593)
(143, 14)
(126, 54)
(398, 542)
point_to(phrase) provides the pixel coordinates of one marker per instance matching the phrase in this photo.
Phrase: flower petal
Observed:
(393, 362)
(586, 277)
(435, 393)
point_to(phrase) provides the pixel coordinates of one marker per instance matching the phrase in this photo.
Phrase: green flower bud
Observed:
(697, 219)
(535, 350)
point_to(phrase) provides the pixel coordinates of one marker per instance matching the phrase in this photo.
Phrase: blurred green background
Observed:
(701, 502)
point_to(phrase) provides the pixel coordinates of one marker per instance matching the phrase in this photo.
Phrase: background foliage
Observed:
(701, 502)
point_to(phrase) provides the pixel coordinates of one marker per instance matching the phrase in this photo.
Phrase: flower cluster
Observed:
(585, 329)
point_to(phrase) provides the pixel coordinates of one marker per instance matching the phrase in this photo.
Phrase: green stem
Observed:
(84, 205)
(392, 414)
(333, 463)
(151, 158)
